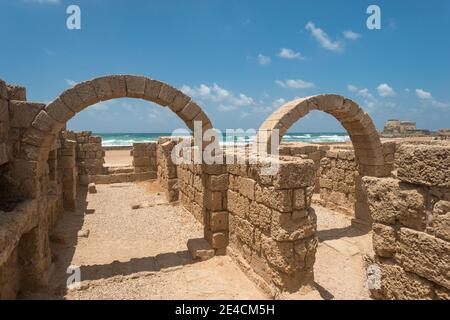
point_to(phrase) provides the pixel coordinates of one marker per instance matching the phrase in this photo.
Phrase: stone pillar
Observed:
(69, 174)
(167, 170)
(215, 186)
(273, 229)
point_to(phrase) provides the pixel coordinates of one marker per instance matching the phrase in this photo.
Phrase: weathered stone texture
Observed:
(424, 165)
(144, 157)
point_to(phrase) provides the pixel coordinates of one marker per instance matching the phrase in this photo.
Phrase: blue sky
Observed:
(238, 59)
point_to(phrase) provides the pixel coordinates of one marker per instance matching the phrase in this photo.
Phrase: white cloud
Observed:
(287, 53)
(264, 60)
(71, 83)
(384, 90)
(295, 84)
(323, 38)
(226, 100)
(278, 103)
(422, 94)
(370, 101)
(351, 35)
(427, 97)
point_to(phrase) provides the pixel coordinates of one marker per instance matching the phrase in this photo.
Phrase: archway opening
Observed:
(340, 203)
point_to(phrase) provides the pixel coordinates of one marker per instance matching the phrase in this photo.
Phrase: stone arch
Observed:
(38, 139)
(359, 125)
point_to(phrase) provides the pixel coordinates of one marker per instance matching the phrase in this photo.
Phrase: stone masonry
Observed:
(411, 213)
(144, 157)
(264, 222)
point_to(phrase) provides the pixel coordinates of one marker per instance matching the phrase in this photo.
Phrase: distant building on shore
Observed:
(396, 127)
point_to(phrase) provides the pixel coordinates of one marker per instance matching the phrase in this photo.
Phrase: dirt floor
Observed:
(340, 271)
(126, 253)
(118, 158)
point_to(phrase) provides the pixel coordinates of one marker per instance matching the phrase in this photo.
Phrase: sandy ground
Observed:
(340, 272)
(118, 158)
(141, 254)
(138, 254)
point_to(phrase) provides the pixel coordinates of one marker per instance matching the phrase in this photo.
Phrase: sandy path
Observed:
(340, 272)
(139, 254)
(142, 254)
(118, 158)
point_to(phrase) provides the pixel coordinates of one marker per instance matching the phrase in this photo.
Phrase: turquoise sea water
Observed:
(127, 139)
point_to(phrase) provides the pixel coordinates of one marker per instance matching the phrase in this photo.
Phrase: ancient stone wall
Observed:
(272, 226)
(89, 153)
(314, 152)
(338, 172)
(411, 213)
(144, 157)
(167, 170)
(68, 165)
(192, 190)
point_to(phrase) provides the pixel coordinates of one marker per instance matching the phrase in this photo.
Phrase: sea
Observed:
(127, 139)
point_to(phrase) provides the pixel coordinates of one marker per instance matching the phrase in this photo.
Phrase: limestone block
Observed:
(424, 164)
(200, 249)
(135, 86)
(424, 255)
(118, 86)
(441, 220)
(215, 201)
(218, 182)
(284, 228)
(219, 221)
(167, 94)
(23, 113)
(260, 216)
(280, 255)
(86, 92)
(141, 162)
(189, 112)
(218, 240)
(390, 201)
(152, 90)
(45, 123)
(300, 201)
(179, 102)
(247, 187)
(280, 200)
(397, 284)
(58, 111)
(384, 241)
(17, 93)
(297, 174)
(238, 204)
(72, 100)
(103, 88)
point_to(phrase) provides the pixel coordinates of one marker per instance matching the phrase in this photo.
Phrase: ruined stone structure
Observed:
(402, 128)
(411, 211)
(144, 157)
(265, 222)
(90, 154)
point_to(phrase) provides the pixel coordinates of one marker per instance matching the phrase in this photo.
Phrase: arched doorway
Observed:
(359, 125)
(337, 242)
(38, 139)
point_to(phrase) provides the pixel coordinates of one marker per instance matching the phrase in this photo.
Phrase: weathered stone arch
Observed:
(359, 125)
(38, 139)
